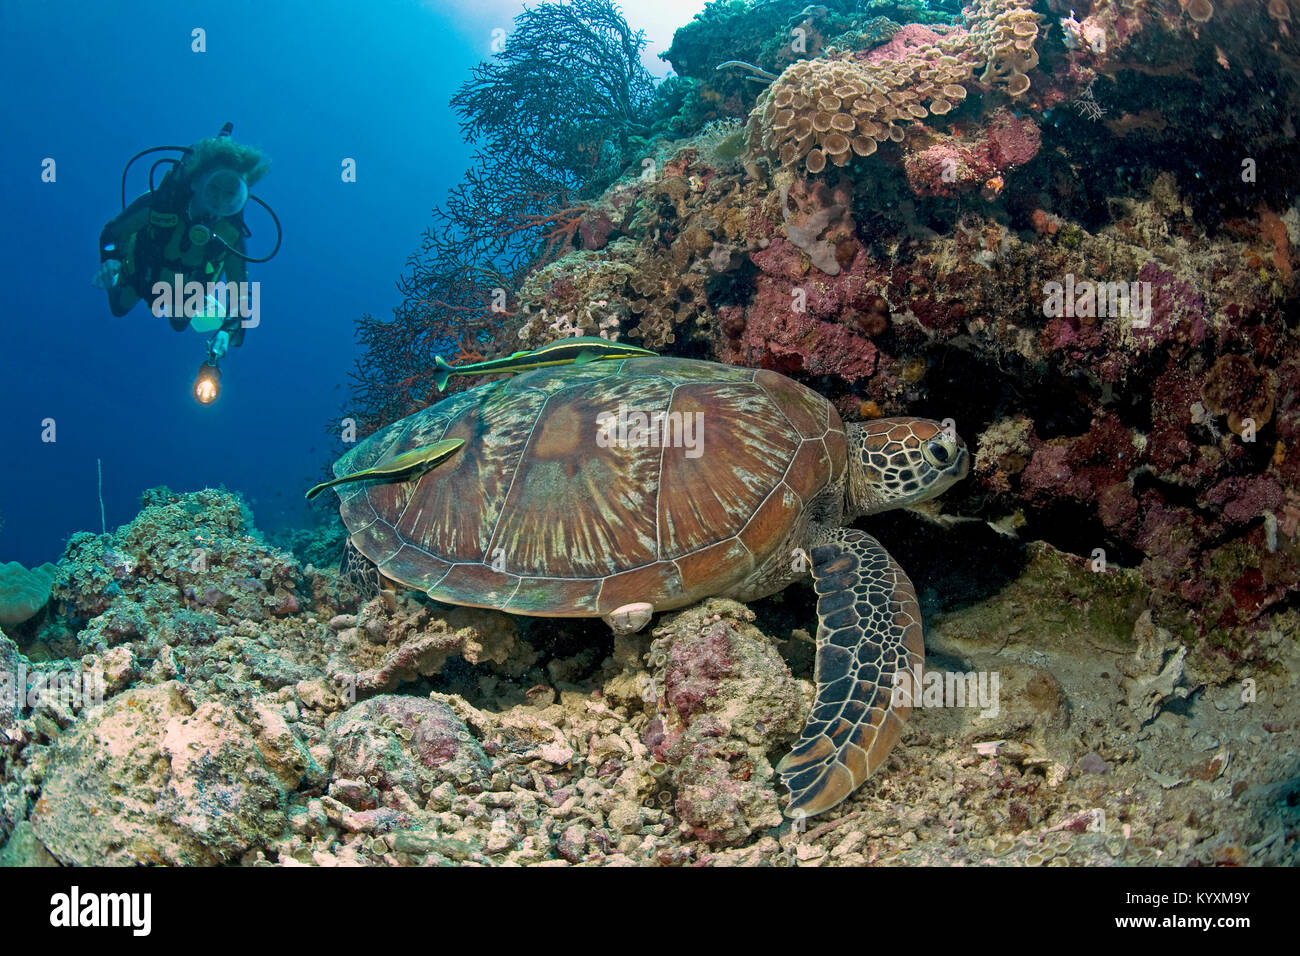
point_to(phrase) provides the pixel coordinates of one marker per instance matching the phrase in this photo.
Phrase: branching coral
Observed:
(449, 302)
(544, 215)
(568, 82)
(552, 116)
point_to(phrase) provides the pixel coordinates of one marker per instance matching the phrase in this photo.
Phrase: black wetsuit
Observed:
(152, 239)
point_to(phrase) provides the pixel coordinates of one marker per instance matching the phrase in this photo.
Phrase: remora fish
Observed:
(579, 351)
(407, 465)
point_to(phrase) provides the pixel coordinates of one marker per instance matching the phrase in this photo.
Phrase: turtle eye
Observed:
(939, 451)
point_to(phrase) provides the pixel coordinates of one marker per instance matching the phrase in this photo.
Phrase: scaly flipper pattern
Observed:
(869, 630)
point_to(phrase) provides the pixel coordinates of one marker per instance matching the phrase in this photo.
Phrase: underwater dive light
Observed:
(207, 384)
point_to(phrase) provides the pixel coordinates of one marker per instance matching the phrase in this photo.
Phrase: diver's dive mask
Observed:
(219, 193)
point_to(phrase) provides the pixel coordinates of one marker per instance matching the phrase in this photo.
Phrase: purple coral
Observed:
(694, 667)
(1178, 310)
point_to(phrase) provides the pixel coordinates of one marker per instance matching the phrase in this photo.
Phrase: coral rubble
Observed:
(393, 732)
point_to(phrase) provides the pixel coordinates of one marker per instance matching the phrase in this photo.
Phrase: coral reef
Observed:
(408, 734)
(941, 165)
(23, 592)
(175, 553)
(1133, 336)
(1078, 257)
(832, 109)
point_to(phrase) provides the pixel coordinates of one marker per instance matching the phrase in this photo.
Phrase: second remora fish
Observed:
(403, 467)
(579, 351)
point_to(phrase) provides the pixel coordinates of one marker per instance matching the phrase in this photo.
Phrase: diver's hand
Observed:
(219, 344)
(106, 277)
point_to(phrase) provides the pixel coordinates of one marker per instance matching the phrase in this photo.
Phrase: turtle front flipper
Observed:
(869, 630)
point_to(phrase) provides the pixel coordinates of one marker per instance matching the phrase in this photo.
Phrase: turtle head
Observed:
(896, 462)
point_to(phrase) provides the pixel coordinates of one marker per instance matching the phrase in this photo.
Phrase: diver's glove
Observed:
(106, 277)
(218, 345)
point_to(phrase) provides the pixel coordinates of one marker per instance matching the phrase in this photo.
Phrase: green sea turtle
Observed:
(619, 487)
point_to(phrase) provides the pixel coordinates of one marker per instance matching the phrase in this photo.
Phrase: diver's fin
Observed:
(443, 373)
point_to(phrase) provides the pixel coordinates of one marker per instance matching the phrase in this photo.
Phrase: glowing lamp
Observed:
(207, 384)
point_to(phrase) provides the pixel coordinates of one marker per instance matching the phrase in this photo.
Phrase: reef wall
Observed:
(1069, 229)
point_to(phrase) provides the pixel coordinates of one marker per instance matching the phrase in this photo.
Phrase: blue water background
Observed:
(90, 84)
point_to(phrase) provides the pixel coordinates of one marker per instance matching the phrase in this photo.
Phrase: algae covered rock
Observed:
(12, 737)
(725, 698)
(394, 750)
(10, 660)
(156, 776)
(23, 849)
(199, 551)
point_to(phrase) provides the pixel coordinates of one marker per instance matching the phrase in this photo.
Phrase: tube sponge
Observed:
(22, 592)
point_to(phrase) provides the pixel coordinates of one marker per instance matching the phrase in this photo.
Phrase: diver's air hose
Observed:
(154, 168)
(145, 152)
(279, 235)
(225, 131)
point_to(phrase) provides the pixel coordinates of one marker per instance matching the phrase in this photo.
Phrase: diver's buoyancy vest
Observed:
(168, 244)
(182, 254)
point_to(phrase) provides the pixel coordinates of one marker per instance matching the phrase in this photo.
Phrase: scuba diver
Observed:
(181, 246)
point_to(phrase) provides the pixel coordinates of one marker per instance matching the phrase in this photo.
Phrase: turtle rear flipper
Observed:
(869, 630)
(361, 573)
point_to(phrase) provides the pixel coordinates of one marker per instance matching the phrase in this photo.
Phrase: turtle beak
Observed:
(207, 384)
(964, 470)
